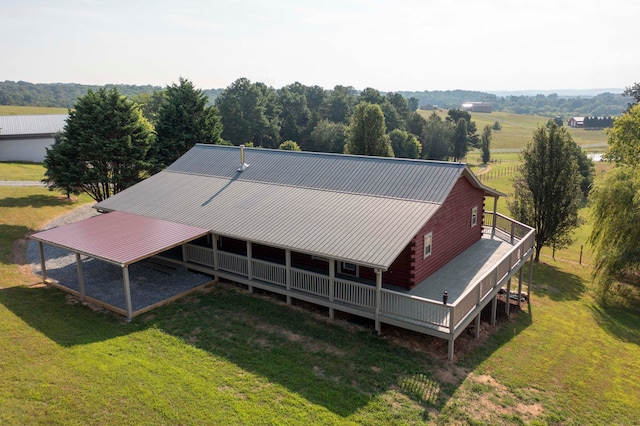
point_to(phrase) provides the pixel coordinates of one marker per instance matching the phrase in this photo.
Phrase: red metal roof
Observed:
(121, 238)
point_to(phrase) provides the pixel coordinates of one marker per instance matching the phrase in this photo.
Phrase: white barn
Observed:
(25, 137)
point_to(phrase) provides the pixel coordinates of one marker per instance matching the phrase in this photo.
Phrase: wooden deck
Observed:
(462, 273)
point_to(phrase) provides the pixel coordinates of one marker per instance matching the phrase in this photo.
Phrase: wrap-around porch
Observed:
(471, 281)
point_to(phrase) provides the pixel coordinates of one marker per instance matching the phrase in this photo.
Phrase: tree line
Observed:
(111, 141)
(605, 104)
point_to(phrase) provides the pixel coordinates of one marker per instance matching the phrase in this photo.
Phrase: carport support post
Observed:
(80, 276)
(42, 262)
(127, 291)
(378, 328)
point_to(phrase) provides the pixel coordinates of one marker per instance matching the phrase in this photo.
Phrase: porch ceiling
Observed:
(120, 238)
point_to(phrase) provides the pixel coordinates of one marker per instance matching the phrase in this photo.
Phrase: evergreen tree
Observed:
(485, 144)
(460, 140)
(183, 120)
(103, 148)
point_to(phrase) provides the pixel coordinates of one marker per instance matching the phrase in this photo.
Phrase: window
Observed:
(348, 268)
(428, 241)
(474, 216)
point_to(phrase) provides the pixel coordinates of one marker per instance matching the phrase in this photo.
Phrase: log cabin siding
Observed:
(451, 229)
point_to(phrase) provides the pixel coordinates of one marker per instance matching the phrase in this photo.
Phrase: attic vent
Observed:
(243, 165)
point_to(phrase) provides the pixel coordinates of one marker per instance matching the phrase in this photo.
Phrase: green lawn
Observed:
(224, 356)
(30, 110)
(517, 130)
(21, 171)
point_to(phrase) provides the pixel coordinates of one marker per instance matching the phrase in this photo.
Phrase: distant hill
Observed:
(564, 103)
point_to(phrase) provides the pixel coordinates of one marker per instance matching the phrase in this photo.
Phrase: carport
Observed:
(118, 238)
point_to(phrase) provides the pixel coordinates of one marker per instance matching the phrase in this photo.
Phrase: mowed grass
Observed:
(223, 356)
(30, 110)
(517, 130)
(21, 171)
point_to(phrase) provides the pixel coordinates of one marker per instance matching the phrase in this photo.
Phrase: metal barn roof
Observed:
(359, 209)
(29, 125)
(120, 238)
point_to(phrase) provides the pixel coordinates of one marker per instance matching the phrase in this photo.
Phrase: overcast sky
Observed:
(389, 45)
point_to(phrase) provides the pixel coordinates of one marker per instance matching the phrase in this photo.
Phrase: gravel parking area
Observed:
(103, 281)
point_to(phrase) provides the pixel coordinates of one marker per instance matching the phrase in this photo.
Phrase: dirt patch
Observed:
(484, 398)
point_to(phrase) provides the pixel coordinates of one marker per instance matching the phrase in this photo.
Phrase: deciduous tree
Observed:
(404, 144)
(367, 132)
(547, 192)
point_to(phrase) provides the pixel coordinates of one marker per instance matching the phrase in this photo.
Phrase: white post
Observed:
(520, 283)
(332, 279)
(250, 264)
(287, 262)
(508, 303)
(495, 216)
(43, 267)
(494, 309)
(378, 272)
(530, 281)
(214, 246)
(80, 276)
(127, 292)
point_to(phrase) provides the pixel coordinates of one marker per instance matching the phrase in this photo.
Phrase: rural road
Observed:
(21, 183)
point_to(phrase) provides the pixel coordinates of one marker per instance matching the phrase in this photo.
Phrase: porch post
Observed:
(494, 309)
(451, 346)
(530, 281)
(378, 328)
(520, 283)
(250, 264)
(332, 283)
(214, 246)
(508, 304)
(184, 253)
(42, 262)
(127, 291)
(495, 216)
(80, 276)
(287, 274)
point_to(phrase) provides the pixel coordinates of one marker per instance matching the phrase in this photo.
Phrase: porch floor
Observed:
(463, 271)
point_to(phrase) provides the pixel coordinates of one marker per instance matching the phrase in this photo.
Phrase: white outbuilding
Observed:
(25, 137)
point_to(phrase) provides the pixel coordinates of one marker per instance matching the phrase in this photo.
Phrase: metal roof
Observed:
(27, 125)
(387, 177)
(363, 210)
(120, 238)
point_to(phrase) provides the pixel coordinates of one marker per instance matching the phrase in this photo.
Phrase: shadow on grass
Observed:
(619, 322)
(554, 283)
(334, 364)
(36, 200)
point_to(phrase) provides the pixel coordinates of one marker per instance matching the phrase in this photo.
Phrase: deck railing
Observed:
(393, 304)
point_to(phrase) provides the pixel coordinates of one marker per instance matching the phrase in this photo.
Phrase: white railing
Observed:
(416, 310)
(272, 273)
(310, 282)
(233, 263)
(363, 295)
(199, 254)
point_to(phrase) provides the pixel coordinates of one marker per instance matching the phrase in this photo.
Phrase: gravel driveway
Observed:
(103, 281)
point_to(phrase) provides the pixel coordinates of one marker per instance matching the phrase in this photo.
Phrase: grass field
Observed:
(517, 130)
(29, 110)
(226, 357)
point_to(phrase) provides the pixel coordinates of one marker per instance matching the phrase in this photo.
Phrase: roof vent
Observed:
(243, 165)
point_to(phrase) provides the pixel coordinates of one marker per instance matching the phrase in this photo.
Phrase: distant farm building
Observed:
(26, 137)
(577, 122)
(477, 106)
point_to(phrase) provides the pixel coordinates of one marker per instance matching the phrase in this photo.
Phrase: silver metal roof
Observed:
(364, 210)
(27, 125)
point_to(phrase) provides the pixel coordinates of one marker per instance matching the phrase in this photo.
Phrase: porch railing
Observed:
(393, 304)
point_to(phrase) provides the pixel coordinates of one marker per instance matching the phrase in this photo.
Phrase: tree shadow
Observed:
(334, 364)
(554, 283)
(621, 323)
(36, 200)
